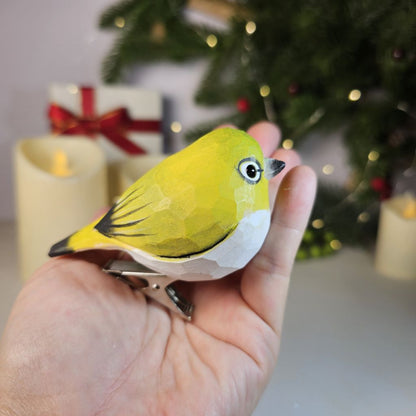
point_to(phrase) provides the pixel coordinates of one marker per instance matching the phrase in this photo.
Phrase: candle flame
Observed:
(60, 164)
(410, 209)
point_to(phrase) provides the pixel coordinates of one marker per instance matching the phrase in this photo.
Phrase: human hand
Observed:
(78, 342)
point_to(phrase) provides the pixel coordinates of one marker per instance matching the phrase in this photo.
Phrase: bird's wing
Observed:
(139, 220)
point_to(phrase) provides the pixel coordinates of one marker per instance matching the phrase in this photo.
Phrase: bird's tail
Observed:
(84, 239)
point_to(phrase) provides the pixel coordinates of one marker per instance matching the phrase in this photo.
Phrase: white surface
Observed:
(349, 343)
(349, 339)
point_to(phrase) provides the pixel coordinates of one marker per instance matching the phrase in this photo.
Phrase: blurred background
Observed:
(337, 77)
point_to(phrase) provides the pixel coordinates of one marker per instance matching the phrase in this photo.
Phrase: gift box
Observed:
(125, 121)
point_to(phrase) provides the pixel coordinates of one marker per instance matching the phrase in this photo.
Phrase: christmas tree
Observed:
(305, 65)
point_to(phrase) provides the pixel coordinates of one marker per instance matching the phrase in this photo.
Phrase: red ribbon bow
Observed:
(114, 124)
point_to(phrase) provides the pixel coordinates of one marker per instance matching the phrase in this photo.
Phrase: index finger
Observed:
(268, 136)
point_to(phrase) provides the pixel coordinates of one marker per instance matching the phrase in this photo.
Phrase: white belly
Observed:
(228, 256)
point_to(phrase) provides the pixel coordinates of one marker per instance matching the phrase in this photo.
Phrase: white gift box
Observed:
(143, 108)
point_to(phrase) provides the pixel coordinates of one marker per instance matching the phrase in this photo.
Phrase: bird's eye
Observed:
(250, 170)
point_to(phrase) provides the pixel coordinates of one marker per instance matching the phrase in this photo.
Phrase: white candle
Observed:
(60, 184)
(396, 239)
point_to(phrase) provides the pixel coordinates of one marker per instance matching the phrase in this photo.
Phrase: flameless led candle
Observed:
(396, 240)
(60, 184)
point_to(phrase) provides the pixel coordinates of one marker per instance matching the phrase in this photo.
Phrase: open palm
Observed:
(80, 343)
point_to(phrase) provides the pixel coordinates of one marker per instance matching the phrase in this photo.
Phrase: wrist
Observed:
(6, 410)
(17, 398)
(8, 400)
(16, 401)
(7, 403)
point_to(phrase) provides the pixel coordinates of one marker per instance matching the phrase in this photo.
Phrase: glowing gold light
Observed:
(264, 90)
(328, 169)
(409, 210)
(354, 95)
(287, 144)
(250, 27)
(119, 22)
(363, 217)
(212, 41)
(176, 127)
(373, 156)
(318, 223)
(158, 32)
(403, 106)
(60, 164)
(335, 244)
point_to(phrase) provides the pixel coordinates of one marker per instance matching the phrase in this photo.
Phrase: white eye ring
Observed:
(250, 169)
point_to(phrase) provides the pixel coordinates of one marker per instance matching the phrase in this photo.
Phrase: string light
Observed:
(250, 27)
(212, 41)
(119, 22)
(176, 127)
(373, 156)
(318, 224)
(287, 144)
(264, 90)
(335, 244)
(328, 169)
(158, 32)
(403, 106)
(354, 95)
(363, 217)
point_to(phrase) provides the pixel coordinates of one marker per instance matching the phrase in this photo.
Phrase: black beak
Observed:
(272, 167)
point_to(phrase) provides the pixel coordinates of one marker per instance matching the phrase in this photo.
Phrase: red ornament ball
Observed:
(243, 105)
(381, 186)
(378, 183)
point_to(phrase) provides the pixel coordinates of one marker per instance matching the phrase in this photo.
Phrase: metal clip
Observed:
(154, 285)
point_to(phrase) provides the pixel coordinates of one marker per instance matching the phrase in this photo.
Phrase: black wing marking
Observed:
(110, 224)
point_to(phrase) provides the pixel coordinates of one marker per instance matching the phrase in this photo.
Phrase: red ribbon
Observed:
(114, 124)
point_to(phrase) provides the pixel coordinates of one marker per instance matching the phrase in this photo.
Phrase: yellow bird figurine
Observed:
(200, 214)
